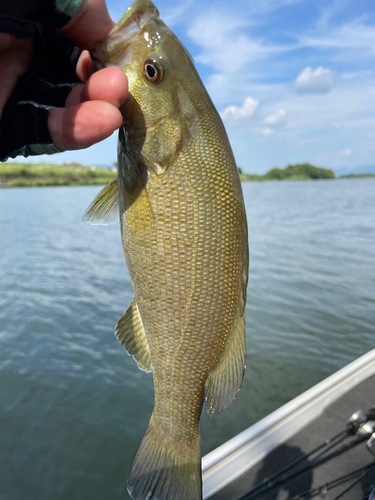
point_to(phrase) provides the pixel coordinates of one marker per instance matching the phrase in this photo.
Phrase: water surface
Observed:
(74, 406)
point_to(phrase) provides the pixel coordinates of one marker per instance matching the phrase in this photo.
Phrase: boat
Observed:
(319, 445)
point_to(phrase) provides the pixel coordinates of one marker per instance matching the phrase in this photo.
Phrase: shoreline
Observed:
(76, 174)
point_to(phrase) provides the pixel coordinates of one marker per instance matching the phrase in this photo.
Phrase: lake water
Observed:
(74, 406)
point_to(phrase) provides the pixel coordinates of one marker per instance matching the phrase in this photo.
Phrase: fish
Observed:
(184, 234)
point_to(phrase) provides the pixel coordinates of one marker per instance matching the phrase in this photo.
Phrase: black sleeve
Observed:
(19, 17)
(24, 122)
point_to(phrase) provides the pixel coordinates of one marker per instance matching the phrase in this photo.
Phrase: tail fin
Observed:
(164, 469)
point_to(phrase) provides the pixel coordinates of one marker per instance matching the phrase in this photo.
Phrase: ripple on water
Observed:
(74, 406)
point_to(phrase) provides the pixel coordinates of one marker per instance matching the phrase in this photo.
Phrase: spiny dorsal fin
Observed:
(131, 333)
(105, 207)
(225, 380)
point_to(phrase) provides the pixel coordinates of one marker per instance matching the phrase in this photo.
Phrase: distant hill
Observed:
(364, 169)
(300, 171)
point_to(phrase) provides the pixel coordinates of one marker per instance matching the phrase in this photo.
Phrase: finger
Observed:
(108, 84)
(84, 67)
(75, 96)
(80, 126)
(91, 25)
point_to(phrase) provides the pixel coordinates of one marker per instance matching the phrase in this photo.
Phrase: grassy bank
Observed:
(75, 174)
(49, 174)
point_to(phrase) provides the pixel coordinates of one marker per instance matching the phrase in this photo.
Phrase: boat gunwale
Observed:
(233, 458)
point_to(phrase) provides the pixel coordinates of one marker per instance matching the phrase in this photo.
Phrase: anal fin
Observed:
(131, 333)
(225, 379)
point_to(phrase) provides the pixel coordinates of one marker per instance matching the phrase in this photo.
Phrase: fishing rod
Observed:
(360, 423)
(340, 495)
(324, 488)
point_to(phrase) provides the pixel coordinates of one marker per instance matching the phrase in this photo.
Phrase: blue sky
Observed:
(294, 80)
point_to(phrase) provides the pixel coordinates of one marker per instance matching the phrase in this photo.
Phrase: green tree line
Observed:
(300, 171)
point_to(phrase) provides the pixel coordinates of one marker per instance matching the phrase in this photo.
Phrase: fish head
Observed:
(160, 73)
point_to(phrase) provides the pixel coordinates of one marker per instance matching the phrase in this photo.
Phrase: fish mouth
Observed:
(116, 49)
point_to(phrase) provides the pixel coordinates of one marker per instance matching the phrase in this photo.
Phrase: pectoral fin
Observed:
(131, 333)
(224, 381)
(105, 207)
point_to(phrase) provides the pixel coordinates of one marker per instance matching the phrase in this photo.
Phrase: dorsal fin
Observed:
(105, 207)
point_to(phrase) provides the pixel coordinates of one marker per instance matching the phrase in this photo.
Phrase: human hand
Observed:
(91, 112)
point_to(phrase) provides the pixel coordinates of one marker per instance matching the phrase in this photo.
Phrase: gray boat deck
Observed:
(330, 422)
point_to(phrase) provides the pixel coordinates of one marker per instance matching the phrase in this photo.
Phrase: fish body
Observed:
(184, 235)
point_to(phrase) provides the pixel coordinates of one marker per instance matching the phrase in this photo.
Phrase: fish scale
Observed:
(184, 235)
(204, 313)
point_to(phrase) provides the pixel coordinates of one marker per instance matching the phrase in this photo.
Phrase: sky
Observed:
(293, 80)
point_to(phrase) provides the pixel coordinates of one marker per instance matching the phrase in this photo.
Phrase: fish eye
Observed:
(153, 71)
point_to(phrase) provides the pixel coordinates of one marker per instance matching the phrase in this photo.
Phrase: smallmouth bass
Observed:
(184, 235)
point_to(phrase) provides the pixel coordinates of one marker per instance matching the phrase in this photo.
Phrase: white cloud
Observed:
(318, 81)
(329, 11)
(350, 75)
(267, 132)
(176, 14)
(262, 7)
(344, 110)
(353, 40)
(225, 45)
(338, 120)
(345, 152)
(307, 142)
(276, 119)
(245, 111)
